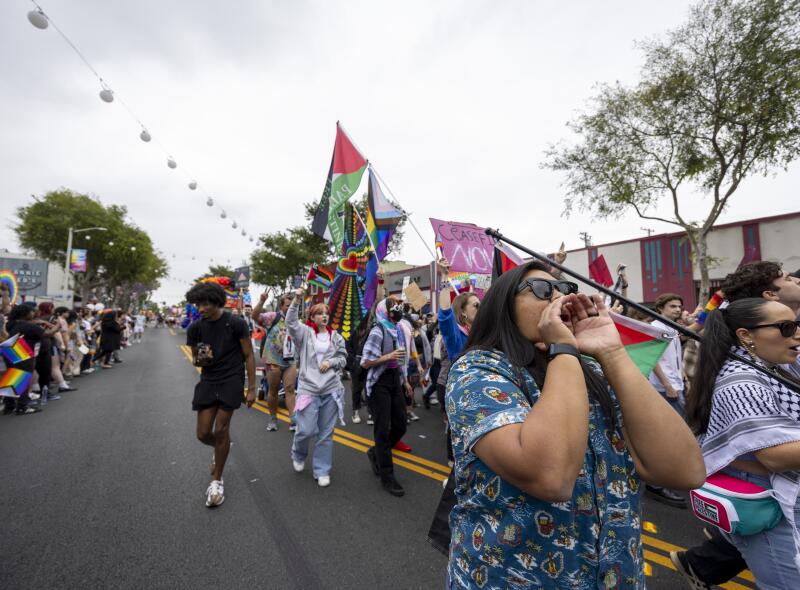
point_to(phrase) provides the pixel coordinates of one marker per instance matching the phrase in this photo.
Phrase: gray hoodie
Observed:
(310, 379)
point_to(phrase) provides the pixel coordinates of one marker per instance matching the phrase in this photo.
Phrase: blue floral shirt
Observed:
(503, 537)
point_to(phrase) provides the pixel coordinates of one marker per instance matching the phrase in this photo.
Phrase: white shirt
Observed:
(321, 345)
(671, 362)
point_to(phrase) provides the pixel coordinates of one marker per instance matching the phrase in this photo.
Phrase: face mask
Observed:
(396, 313)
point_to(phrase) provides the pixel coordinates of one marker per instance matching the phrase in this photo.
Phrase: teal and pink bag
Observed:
(735, 506)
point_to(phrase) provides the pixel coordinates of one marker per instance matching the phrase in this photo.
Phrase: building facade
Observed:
(664, 263)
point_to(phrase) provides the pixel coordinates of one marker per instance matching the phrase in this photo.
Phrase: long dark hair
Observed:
(495, 327)
(719, 336)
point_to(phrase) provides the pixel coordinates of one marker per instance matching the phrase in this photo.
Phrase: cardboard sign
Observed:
(415, 297)
(406, 282)
(465, 245)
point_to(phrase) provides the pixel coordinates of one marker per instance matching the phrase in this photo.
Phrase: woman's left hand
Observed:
(324, 366)
(594, 329)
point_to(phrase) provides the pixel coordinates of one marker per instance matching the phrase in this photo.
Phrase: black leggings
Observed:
(105, 356)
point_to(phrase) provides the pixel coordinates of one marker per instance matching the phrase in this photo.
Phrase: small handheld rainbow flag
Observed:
(439, 244)
(713, 303)
(13, 383)
(15, 350)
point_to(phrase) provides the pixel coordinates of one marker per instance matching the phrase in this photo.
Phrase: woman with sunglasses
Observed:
(748, 423)
(550, 445)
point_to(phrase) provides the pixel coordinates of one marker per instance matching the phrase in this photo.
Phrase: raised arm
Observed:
(655, 434)
(296, 330)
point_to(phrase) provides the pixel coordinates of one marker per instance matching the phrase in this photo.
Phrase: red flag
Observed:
(598, 271)
(504, 260)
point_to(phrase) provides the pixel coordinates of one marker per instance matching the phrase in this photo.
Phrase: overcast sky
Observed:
(453, 102)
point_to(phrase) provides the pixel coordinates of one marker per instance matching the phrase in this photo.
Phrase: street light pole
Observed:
(69, 255)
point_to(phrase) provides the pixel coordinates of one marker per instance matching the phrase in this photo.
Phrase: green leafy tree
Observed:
(718, 101)
(119, 260)
(285, 254)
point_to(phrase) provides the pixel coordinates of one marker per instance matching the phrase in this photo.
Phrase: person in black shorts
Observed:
(221, 346)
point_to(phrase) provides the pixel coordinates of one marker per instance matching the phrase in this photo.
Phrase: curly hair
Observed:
(751, 280)
(206, 293)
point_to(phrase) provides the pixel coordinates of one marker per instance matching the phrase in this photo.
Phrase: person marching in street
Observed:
(279, 359)
(221, 346)
(321, 355)
(386, 386)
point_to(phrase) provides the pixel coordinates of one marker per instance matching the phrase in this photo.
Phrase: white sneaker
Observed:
(356, 418)
(324, 481)
(34, 396)
(215, 494)
(434, 401)
(298, 465)
(370, 421)
(412, 417)
(88, 371)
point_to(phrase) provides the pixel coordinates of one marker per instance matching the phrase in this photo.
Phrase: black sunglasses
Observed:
(543, 288)
(788, 328)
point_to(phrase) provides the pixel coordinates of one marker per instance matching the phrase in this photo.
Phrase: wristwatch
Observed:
(556, 349)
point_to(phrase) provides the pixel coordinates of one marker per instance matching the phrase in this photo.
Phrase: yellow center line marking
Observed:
(172, 332)
(650, 527)
(439, 473)
(362, 448)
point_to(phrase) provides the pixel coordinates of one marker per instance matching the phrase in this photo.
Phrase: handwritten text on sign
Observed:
(465, 246)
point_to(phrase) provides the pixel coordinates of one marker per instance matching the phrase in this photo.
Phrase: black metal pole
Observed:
(637, 306)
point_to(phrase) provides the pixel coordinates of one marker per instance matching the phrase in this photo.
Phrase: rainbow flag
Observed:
(319, 277)
(13, 383)
(644, 343)
(15, 350)
(382, 217)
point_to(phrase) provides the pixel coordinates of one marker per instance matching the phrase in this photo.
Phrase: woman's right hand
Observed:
(552, 328)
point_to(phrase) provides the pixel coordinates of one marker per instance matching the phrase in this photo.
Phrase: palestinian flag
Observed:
(319, 277)
(382, 217)
(599, 273)
(344, 176)
(504, 260)
(645, 343)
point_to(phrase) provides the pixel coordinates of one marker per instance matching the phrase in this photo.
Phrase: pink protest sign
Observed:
(465, 245)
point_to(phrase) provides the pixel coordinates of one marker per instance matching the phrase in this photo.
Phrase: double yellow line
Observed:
(440, 472)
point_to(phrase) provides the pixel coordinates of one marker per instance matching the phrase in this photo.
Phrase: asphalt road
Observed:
(106, 489)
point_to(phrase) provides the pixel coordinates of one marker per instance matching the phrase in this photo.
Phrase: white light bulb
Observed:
(223, 215)
(244, 233)
(171, 163)
(192, 185)
(38, 19)
(210, 202)
(145, 136)
(234, 225)
(107, 95)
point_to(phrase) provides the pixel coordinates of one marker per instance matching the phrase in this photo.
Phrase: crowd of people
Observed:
(66, 344)
(552, 431)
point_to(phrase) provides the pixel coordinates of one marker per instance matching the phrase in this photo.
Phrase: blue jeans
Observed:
(769, 554)
(317, 419)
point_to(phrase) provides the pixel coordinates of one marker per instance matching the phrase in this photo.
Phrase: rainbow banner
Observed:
(15, 350)
(77, 260)
(9, 279)
(13, 383)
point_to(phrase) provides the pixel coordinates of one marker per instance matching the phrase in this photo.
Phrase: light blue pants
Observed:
(317, 419)
(769, 554)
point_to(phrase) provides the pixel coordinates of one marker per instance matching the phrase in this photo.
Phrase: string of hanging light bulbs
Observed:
(39, 19)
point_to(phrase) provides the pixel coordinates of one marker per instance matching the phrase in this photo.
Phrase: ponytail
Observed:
(718, 338)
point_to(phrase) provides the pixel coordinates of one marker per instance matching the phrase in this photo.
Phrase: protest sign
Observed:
(465, 245)
(415, 297)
